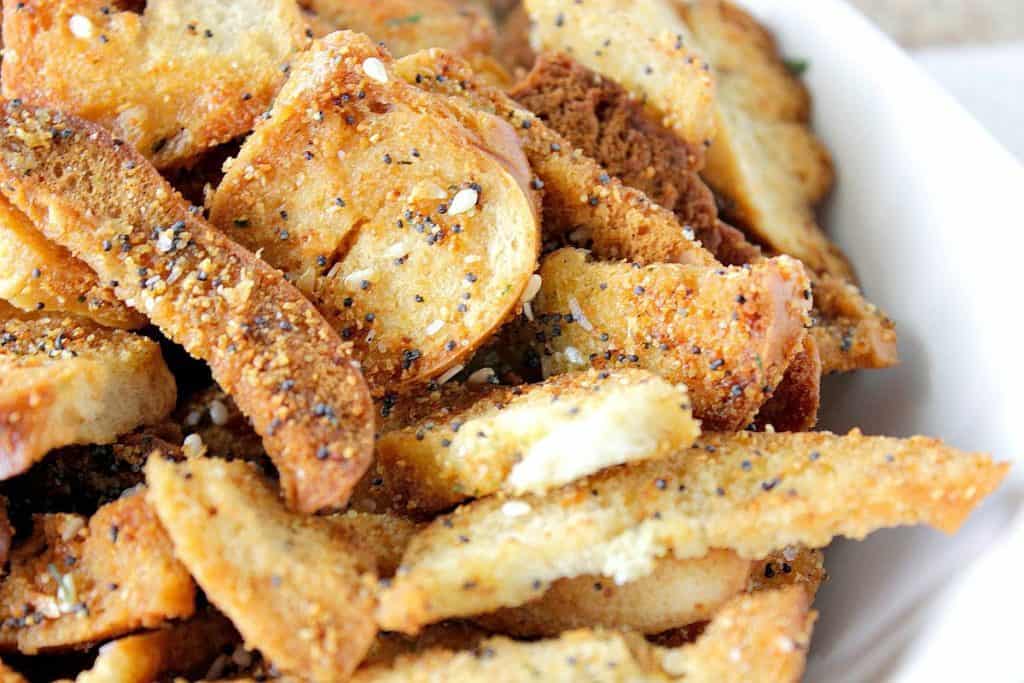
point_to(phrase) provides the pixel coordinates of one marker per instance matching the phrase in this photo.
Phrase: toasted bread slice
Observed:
(793, 407)
(583, 203)
(77, 581)
(407, 26)
(406, 217)
(524, 439)
(749, 492)
(644, 46)
(762, 636)
(727, 334)
(280, 360)
(674, 594)
(142, 75)
(851, 332)
(765, 160)
(187, 648)
(68, 381)
(295, 590)
(38, 275)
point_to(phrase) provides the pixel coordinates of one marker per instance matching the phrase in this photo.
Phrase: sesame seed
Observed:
(481, 376)
(515, 508)
(374, 68)
(434, 327)
(463, 201)
(218, 413)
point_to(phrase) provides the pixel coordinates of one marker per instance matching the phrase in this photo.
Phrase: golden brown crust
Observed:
(468, 442)
(379, 540)
(749, 492)
(140, 74)
(406, 26)
(793, 407)
(293, 588)
(40, 275)
(727, 334)
(404, 216)
(583, 203)
(77, 581)
(286, 368)
(674, 594)
(851, 332)
(69, 381)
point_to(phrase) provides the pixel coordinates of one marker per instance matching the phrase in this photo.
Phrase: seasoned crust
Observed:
(40, 275)
(467, 442)
(642, 45)
(676, 593)
(727, 334)
(67, 381)
(851, 332)
(764, 159)
(583, 203)
(753, 493)
(293, 588)
(122, 577)
(803, 567)
(404, 216)
(793, 407)
(279, 359)
(182, 76)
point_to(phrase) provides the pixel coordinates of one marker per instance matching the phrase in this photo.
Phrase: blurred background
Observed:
(973, 48)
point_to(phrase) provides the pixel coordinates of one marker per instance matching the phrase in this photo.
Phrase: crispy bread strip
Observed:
(749, 492)
(674, 594)
(185, 648)
(763, 636)
(524, 439)
(123, 577)
(764, 159)
(40, 275)
(727, 334)
(850, 331)
(69, 381)
(139, 74)
(406, 217)
(582, 201)
(642, 45)
(406, 26)
(294, 589)
(794, 405)
(266, 345)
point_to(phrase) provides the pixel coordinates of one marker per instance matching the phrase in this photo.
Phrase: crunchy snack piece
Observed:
(182, 649)
(404, 216)
(749, 492)
(792, 566)
(674, 594)
(225, 431)
(378, 539)
(727, 334)
(77, 581)
(267, 345)
(583, 203)
(526, 439)
(598, 116)
(644, 46)
(294, 589)
(139, 73)
(763, 636)
(793, 406)
(764, 159)
(69, 381)
(851, 332)
(40, 275)
(405, 26)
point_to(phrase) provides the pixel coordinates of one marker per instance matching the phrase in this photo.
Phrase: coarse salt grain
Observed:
(193, 446)
(515, 508)
(532, 287)
(218, 413)
(481, 376)
(374, 68)
(80, 26)
(463, 201)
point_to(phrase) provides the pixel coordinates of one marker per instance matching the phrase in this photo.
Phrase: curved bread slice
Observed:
(748, 492)
(405, 217)
(727, 334)
(467, 443)
(121, 576)
(38, 275)
(267, 346)
(66, 381)
(294, 589)
(182, 76)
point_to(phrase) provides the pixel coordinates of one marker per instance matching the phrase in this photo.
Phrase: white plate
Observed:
(928, 207)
